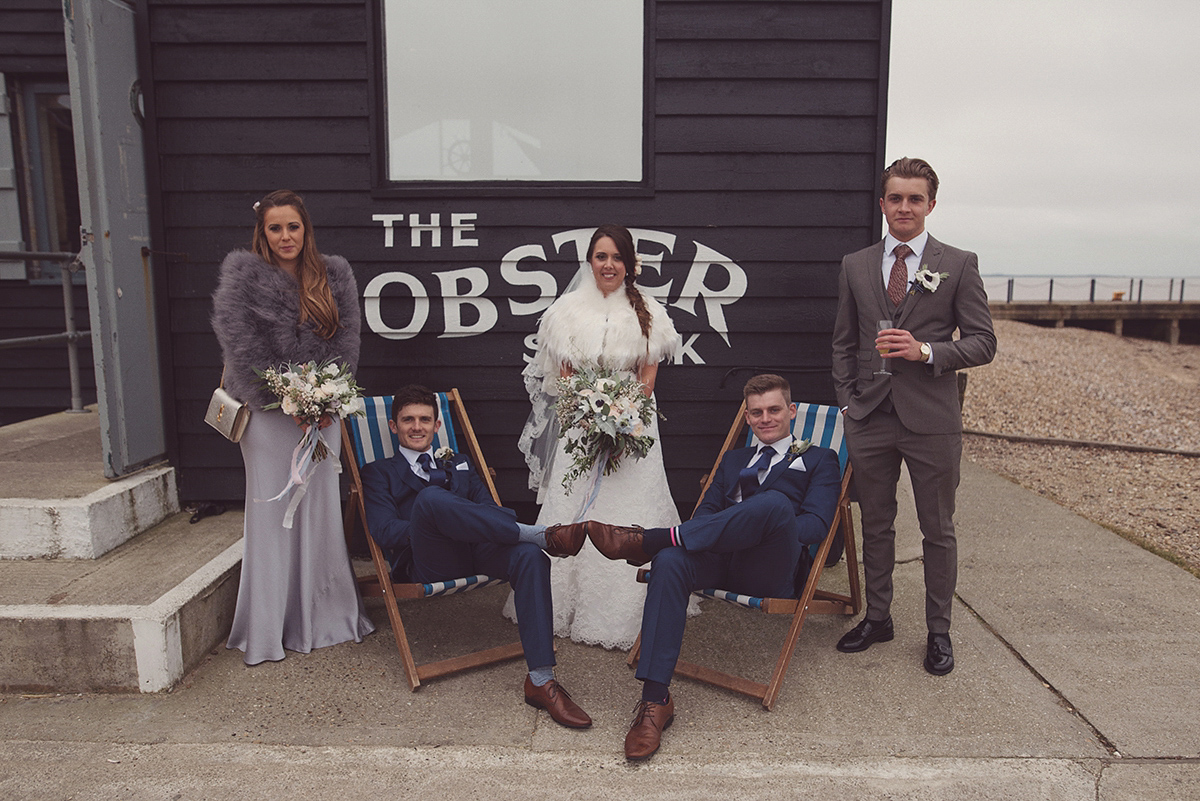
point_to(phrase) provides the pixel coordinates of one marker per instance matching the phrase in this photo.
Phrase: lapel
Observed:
(931, 258)
(734, 463)
(407, 475)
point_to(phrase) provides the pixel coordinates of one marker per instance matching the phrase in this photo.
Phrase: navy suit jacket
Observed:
(813, 491)
(390, 488)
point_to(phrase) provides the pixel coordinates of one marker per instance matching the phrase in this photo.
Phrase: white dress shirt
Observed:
(912, 262)
(412, 455)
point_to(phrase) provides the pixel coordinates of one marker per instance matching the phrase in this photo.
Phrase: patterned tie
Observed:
(898, 280)
(437, 476)
(748, 477)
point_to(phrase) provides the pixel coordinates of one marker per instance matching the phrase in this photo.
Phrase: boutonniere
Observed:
(927, 280)
(444, 454)
(799, 446)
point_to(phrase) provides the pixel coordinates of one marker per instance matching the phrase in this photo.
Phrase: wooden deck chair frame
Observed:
(812, 600)
(457, 426)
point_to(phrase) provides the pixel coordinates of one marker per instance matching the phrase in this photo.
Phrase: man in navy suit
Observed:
(764, 506)
(436, 520)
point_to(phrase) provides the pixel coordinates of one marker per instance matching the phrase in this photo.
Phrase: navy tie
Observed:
(748, 478)
(437, 476)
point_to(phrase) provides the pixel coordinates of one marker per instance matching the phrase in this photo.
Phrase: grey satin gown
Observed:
(297, 589)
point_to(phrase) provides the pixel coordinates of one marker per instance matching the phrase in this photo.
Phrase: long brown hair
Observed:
(621, 237)
(316, 298)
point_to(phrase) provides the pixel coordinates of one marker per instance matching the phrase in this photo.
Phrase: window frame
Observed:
(382, 186)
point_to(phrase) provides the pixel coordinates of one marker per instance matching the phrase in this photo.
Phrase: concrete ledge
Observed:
(88, 648)
(90, 526)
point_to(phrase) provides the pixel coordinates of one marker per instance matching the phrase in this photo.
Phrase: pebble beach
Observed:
(1075, 384)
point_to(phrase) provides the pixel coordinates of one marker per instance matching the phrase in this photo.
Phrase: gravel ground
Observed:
(1071, 383)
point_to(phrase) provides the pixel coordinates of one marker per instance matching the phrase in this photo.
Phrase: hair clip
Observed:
(257, 203)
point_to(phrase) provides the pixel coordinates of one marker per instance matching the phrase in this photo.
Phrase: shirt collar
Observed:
(917, 243)
(412, 455)
(781, 445)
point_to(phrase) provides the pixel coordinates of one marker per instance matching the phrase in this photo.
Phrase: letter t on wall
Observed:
(388, 221)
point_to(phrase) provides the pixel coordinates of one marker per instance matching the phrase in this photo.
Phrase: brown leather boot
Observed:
(565, 540)
(618, 542)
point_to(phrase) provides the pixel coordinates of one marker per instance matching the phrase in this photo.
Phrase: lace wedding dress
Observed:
(596, 600)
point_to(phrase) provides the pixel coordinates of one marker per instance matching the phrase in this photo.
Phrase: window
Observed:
(537, 90)
(41, 181)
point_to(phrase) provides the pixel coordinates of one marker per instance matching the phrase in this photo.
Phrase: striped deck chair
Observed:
(823, 426)
(367, 439)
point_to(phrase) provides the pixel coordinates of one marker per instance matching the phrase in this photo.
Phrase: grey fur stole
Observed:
(255, 312)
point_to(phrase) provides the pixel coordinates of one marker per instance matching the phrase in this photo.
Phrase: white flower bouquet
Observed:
(310, 392)
(602, 414)
(313, 391)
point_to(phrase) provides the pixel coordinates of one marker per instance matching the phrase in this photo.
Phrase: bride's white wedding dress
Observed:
(596, 600)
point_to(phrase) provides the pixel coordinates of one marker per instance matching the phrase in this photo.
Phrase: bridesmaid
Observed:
(280, 302)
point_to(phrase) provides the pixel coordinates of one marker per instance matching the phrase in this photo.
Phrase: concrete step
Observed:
(136, 619)
(54, 500)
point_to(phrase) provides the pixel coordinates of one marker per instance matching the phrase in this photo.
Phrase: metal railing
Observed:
(1077, 289)
(72, 336)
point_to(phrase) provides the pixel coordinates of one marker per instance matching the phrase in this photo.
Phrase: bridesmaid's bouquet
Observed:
(602, 415)
(310, 392)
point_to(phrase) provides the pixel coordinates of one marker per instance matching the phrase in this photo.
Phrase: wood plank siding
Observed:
(767, 137)
(31, 38)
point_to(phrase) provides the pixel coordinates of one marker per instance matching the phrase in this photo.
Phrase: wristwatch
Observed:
(926, 352)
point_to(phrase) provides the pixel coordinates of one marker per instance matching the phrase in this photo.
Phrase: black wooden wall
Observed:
(767, 142)
(36, 380)
(31, 38)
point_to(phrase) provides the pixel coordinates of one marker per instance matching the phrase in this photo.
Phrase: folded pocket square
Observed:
(462, 466)
(798, 464)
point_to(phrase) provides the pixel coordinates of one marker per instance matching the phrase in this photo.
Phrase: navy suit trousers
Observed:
(454, 537)
(751, 548)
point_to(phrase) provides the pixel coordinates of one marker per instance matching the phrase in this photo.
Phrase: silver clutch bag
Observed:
(227, 414)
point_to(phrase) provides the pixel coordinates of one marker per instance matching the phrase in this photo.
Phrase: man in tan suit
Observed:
(903, 404)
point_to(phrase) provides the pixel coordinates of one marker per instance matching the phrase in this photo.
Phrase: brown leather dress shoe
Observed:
(650, 720)
(618, 542)
(566, 540)
(553, 698)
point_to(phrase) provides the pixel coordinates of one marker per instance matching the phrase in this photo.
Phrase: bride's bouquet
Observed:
(311, 392)
(602, 415)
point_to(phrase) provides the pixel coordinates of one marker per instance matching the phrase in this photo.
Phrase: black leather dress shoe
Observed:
(866, 634)
(939, 654)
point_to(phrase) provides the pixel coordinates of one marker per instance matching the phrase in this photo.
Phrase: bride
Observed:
(604, 322)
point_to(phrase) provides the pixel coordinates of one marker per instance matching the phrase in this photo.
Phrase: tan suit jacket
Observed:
(925, 396)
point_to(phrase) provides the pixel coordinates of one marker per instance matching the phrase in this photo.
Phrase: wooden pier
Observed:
(1156, 320)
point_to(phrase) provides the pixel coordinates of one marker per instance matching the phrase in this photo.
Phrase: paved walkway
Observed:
(1078, 658)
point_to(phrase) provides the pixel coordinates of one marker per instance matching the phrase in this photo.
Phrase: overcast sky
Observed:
(1064, 133)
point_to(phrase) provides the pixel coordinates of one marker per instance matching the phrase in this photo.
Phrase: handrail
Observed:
(71, 336)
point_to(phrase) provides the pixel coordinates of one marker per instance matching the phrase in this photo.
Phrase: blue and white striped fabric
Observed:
(822, 425)
(373, 439)
(460, 585)
(747, 601)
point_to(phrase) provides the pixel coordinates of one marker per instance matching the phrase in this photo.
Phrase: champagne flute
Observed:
(885, 367)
